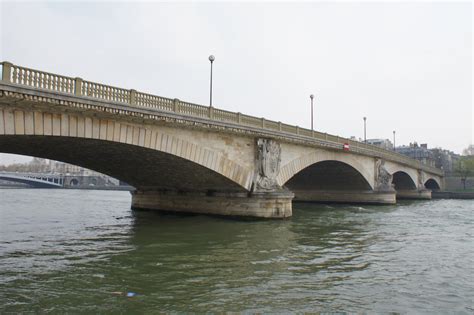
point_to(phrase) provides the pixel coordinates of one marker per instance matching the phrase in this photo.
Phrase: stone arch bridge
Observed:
(186, 157)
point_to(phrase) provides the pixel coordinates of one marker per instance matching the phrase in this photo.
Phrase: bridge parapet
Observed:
(132, 101)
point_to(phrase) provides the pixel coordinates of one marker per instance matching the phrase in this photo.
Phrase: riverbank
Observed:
(119, 188)
(452, 194)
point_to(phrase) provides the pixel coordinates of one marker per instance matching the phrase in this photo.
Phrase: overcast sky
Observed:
(406, 66)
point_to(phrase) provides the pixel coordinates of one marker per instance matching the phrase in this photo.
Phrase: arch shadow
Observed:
(432, 184)
(141, 167)
(328, 175)
(403, 181)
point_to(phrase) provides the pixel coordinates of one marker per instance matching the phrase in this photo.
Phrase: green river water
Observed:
(74, 251)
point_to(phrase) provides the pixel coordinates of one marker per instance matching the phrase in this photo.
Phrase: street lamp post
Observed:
(211, 59)
(394, 146)
(311, 97)
(365, 130)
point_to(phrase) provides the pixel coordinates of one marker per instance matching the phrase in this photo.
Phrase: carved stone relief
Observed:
(383, 179)
(421, 180)
(267, 165)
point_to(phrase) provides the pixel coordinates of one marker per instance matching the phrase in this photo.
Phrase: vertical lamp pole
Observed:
(365, 130)
(211, 59)
(311, 97)
(394, 146)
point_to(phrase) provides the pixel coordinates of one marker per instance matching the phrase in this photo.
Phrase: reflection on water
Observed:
(70, 251)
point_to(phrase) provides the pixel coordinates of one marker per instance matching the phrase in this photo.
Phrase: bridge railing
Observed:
(13, 74)
(38, 79)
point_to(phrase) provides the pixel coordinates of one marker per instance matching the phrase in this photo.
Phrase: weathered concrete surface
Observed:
(349, 196)
(424, 194)
(262, 205)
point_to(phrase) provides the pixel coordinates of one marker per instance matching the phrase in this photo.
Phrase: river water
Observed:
(73, 251)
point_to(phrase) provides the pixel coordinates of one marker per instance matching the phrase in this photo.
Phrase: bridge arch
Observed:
(349, 165)
(400, 173)
(143, 156)
(328, 176)
(403, 181)
(432, 184)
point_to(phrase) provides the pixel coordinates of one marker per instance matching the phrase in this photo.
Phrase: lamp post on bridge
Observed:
(365, 130)
(311, 97)
(394, 147)
(211, 59)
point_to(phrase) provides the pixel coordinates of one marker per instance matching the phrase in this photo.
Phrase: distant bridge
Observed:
(34, 180)
(187, 157)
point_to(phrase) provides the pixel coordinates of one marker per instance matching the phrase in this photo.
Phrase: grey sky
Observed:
(406, 66)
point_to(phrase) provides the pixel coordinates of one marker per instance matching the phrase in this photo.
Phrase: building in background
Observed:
(418, 152)
(383, 143)
(445, 159)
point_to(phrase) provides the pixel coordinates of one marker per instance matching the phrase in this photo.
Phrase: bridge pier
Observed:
(259, 204)
(349, 196)
(423, 194)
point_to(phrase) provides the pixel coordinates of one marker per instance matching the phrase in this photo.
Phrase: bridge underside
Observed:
(334, 181)
(407, 189)
(140, 167)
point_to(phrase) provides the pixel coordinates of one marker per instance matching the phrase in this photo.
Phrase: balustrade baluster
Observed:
(40, 80)
(28, 77)
(19, 76)
(47, 83)
(22, 76)
(53, 82)
(16, 75)
(36, 79)
(32, 78)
